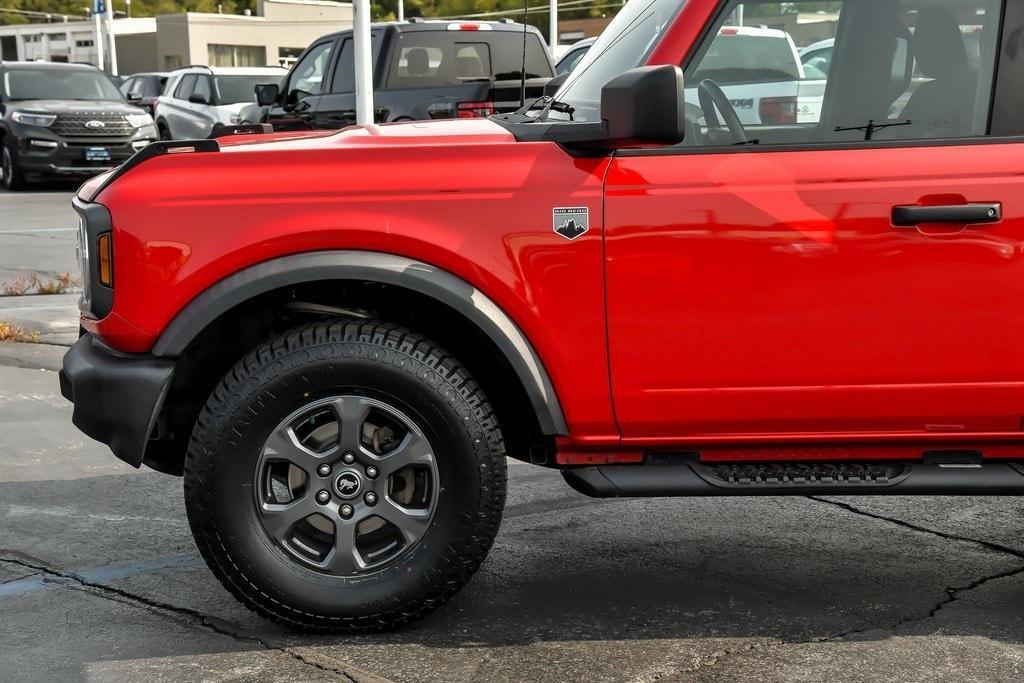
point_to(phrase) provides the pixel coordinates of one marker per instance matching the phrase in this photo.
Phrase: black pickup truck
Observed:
(422, 70)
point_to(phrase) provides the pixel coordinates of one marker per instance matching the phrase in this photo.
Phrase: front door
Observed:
(810, 269)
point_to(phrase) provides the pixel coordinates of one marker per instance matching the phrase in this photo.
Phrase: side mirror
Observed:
(552, 86)
(134, 98)
(266, 94)
(198, 98)
(644, 106)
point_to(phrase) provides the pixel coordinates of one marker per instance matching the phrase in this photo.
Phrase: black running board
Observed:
(781, 479)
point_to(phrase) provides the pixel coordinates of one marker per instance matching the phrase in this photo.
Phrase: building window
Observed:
(237, 55)
(83, 43)
(286, 56)
(172, 62)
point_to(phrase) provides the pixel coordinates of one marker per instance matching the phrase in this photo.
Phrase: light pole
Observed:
(97, 10)
(363, 63)
(110, 36)
(553, 26)
(401, 10)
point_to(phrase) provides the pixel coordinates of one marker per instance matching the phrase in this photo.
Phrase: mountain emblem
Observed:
(570, 222)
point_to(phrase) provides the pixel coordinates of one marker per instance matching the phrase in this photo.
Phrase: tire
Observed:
(13, 179)
(334, 363)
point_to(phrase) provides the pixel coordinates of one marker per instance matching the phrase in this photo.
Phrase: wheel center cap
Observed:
(348, 484)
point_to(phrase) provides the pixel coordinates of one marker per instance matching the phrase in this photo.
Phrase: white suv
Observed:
(199, 99)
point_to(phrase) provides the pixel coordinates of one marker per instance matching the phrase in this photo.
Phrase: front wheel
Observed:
(345, 477)
(10, 174)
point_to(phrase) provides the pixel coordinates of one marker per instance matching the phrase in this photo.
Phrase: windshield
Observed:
(235, 89)
(59, 84)
(624, 45)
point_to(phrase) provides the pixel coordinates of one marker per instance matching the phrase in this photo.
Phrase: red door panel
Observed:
(766, 293)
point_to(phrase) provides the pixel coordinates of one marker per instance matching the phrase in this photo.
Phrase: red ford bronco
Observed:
(337, 338)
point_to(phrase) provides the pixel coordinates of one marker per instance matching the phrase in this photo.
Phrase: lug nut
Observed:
(323, 497)
(370, 498)
(349, 458)
(324, 470)
(345, 511)
(372, 472)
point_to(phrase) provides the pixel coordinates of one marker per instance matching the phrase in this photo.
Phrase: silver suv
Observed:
(199, 99)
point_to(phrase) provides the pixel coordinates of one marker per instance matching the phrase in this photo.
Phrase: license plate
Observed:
(97, 154)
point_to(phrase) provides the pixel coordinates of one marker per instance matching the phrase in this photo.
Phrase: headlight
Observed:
(83, 260)
(33, 119)
(139, 120)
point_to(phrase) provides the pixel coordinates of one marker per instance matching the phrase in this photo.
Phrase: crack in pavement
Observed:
(995, 547)
(953, 593)
(20, 577)
(200, 619)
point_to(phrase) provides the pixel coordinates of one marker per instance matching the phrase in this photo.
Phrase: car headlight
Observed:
(33, 119)
(139, 120)
(82, 251)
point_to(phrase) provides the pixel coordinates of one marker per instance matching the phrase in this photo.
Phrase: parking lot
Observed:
(100, 580)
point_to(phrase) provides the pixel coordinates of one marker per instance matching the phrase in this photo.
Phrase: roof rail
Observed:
(195, 66)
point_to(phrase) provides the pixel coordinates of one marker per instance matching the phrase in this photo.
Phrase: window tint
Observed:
(184, 89)
(344, 79)
(438, 58)
(857, 70)
(570, 60)
(344, 69)
(126, 87)
(202, 87)
(308, 75)
(235, 89)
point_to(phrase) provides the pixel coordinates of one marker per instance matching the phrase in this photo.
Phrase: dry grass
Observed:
(33, 284)
(56, 285)
(9, 332)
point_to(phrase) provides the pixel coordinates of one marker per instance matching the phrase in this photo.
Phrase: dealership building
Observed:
(276, 34)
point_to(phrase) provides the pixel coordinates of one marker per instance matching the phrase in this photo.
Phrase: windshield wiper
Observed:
(547, 103)
(871, 128)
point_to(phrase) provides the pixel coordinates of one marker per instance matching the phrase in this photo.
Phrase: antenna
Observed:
(522, 73)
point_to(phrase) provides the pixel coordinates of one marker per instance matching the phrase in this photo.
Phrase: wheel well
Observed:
(238, 331)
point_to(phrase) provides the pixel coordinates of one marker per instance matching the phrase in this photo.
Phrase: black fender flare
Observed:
(384, 268)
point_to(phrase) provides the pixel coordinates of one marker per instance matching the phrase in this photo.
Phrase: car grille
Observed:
(76, 124)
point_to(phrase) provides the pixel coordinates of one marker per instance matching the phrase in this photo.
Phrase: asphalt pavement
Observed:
(100, 580)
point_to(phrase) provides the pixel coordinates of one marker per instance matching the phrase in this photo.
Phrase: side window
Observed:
(570, 60)
(344, 69)
(126, 87)
(202, 87)
(185, 86)
(307, 77)
(844, 71)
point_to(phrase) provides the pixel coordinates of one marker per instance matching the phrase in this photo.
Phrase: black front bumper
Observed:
(117, 396)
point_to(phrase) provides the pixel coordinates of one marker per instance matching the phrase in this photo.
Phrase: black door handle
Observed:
(962, 214)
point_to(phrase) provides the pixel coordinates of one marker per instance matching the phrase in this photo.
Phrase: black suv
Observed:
(422, 70)
(64, 120)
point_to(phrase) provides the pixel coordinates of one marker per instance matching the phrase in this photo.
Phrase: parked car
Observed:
(816, 58)
(199, 99)
(760, 72)
(422, 70)
(573, 55)
(143, 89)
(64, 120)
(338, 338)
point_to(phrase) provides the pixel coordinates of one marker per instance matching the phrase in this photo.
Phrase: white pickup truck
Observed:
(759, 70)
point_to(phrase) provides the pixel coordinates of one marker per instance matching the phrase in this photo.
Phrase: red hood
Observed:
(419, 133)
(441, 132)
